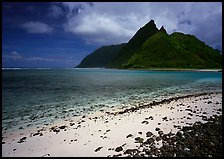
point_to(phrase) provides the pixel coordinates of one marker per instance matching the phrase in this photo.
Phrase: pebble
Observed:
(130, 135)
(22, 140)
(118, 149)
(98, 149)
(149, 134)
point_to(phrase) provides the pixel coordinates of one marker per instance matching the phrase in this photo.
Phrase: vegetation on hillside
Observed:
(101, 57)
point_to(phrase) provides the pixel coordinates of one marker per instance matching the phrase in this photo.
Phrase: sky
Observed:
(61, 34)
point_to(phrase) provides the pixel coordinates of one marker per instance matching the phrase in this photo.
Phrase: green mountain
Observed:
(134, 43)
(174, 51)
(153, 48)
(101, 57)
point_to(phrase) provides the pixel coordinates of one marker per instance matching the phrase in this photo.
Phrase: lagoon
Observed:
(32, 97)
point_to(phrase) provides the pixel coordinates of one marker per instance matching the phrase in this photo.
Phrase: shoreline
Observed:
(158, 69)
(181, 69)
(136, 69)
(110, 133)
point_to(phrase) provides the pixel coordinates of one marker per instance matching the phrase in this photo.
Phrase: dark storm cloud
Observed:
(106, 23)
(121, 20)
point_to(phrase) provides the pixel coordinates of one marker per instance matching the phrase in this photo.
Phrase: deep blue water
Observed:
(43, 95)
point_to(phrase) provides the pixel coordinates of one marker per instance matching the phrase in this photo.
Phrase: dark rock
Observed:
(128, 151)
(130, 135)
(188, 110)
(36, 134)
(149, 141)
(145, 122)
(157, 129)
(218, 112)
(139, 139)
(98, 149)
(55, 129)
(186, 128)
(46, 155)
(209, 102)
(22, 140)
(118, 149)
(131, 151)
(117, 155)
(137, 155)
(160, 133)
(149, 118)
(149, 134)
(177, 126)
(124, 144)
(204, 118)
(165, 137)
(148, 152)
(62, 127)
(158, 138)
(219, 109)
(179, 134)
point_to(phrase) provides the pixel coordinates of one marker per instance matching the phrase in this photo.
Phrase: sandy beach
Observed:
(112, 132)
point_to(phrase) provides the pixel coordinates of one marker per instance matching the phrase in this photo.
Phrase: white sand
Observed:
(109, 131)
(209, 70)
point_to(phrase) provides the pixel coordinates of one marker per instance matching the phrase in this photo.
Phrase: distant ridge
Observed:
(101, 57)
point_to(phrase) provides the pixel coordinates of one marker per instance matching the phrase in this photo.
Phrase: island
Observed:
(152, 48)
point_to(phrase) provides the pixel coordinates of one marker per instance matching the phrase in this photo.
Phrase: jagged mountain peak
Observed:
(162, 29)
(135, 42)
(151, 22)
(150, 25)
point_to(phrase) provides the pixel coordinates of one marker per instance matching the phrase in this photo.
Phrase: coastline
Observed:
(181, 69)
(112, 133)
(136, 69)
(158, 69)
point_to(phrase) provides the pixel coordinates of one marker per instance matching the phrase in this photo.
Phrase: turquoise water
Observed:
(37, 96)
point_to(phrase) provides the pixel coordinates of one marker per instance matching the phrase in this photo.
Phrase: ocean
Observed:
(32, 97)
